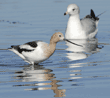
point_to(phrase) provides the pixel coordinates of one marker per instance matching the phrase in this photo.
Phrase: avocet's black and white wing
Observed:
(27, 47)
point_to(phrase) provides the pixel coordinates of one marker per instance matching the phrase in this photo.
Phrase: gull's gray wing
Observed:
(89, 23)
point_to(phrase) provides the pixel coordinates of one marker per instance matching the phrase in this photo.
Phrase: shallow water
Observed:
(72, 71)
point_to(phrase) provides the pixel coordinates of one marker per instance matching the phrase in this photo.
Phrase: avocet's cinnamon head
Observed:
(72, 9)
(57, 37)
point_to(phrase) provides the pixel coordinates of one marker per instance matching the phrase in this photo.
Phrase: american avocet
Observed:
(80, 29)
(37, 51)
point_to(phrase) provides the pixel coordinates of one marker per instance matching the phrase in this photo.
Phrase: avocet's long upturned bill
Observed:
(37, 51)
(80, 29)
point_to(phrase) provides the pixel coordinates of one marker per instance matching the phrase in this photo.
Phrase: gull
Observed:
(85, 28)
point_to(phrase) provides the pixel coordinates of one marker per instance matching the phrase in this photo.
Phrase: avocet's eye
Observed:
(73, 9)
(59, 35)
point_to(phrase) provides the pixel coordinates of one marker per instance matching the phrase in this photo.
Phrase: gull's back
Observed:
(89, 23)
(89, 26)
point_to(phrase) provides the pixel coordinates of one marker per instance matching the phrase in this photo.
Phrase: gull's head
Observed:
(57, 37)
(72, 9)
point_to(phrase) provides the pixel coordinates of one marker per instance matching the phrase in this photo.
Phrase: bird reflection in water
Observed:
(88, 47)
(39, 75)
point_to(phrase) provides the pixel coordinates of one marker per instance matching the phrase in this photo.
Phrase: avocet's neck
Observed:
(52, 44)
(51, 48)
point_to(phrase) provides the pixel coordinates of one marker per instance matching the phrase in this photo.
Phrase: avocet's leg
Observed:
(32, 67)
(35, 63)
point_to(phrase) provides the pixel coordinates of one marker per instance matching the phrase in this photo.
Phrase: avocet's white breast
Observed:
(38, 54)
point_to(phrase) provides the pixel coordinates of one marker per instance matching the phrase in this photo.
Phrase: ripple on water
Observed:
(72, 71)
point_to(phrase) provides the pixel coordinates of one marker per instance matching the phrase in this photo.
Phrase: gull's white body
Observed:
(79, 29)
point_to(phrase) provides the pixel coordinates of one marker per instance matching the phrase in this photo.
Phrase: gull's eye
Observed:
(73, 9)
(59, 35)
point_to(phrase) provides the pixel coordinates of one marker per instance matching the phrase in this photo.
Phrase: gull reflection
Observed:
(39, 75)
(89, 46)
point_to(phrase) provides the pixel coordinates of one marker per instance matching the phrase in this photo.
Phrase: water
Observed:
(65, 74)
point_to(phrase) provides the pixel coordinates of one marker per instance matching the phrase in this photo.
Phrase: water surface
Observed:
(72, 71)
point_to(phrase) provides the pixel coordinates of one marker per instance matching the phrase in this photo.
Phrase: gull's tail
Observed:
(92, 14)
(96, 18)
